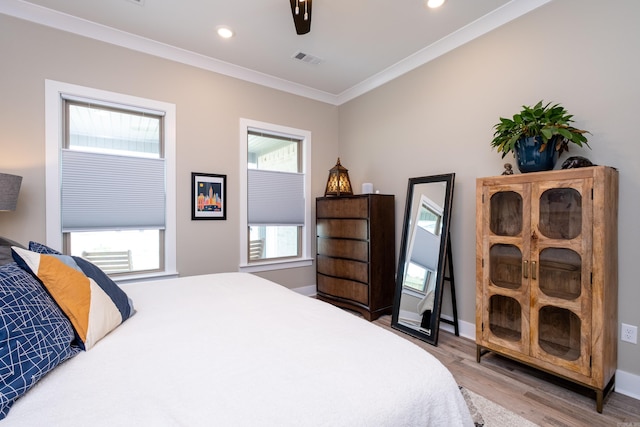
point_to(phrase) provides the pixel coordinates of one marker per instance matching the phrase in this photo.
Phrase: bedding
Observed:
(233, 349)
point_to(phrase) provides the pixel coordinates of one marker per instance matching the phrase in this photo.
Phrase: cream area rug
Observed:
(486, 413)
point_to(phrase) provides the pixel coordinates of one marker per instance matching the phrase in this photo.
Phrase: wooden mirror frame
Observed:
(428, 334)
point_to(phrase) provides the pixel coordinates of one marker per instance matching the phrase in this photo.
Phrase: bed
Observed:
(233, 349)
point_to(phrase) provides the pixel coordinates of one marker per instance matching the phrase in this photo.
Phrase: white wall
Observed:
(438, 119)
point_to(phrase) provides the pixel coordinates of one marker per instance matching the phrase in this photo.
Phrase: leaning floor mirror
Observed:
(421, 263)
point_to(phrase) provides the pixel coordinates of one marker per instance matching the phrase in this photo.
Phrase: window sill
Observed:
(275, 265)
(146, 277)
(414, 293)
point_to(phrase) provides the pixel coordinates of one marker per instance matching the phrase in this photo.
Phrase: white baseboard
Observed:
(466, 329)
(626, 383)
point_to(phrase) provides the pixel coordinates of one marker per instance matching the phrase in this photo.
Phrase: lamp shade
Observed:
(338, 183)
(9, 189)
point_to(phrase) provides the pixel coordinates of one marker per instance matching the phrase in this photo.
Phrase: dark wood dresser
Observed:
(355, 245)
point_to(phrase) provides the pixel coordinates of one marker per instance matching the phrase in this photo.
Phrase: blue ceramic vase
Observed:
(529, 158)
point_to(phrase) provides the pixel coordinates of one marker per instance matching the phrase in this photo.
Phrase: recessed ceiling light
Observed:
(434, 3)
(225, 32)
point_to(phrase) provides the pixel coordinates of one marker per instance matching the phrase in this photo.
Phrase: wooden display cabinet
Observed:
(355, 242)
(547, 272)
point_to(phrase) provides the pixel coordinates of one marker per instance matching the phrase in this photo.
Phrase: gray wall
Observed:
(208, 106)
(438, 119)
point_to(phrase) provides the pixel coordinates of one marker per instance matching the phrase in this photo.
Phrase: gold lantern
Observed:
(338, 183)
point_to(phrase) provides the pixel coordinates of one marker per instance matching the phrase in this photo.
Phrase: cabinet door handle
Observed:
(525, 269)
(533, 270)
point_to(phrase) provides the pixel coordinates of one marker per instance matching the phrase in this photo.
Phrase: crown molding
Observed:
(61, 21)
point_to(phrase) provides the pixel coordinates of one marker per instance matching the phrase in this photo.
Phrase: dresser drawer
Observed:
(341, 248)
(343, 208)
(343, 288)
(345, 228)
(353, 270)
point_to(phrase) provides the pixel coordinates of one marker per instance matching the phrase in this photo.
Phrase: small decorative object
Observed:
(576, 162)
(208, 196)
(508, 169)
(338, 183)
(367, 188)
(537, 136)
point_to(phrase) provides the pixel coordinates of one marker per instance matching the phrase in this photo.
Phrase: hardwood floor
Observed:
(534, 395)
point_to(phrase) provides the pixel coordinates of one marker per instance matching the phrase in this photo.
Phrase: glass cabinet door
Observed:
(507, 299)
(560, 311)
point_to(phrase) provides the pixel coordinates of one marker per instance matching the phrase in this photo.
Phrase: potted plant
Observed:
(537, 136)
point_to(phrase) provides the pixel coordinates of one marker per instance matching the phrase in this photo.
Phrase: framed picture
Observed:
(208, 196)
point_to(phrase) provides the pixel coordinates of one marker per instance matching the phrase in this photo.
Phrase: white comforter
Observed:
(236, 350)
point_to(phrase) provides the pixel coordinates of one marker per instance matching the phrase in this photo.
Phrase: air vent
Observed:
(305, 57)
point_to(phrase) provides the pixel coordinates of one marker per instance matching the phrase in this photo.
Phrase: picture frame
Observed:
(208, 196)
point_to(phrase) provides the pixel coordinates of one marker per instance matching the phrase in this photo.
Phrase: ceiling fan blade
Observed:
(303, 9)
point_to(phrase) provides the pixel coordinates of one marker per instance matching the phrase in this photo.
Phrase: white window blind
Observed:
(426, 249)
(275, 198)
(104, 191)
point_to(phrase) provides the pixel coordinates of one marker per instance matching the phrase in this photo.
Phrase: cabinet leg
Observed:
(602, 394)
(480, 352)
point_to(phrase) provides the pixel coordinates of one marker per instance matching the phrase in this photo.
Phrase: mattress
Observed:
(234, 349)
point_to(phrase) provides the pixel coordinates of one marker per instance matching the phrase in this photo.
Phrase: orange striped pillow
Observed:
(94, 304)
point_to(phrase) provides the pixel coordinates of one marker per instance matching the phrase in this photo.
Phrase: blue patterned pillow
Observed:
(42, 249)
(35, 336)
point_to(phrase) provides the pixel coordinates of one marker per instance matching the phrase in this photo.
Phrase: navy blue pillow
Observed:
(35, 336)
(42, 249)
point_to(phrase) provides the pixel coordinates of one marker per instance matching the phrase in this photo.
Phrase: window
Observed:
(420, 275)
(275, 191)
(110, 179)
(430, 219)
